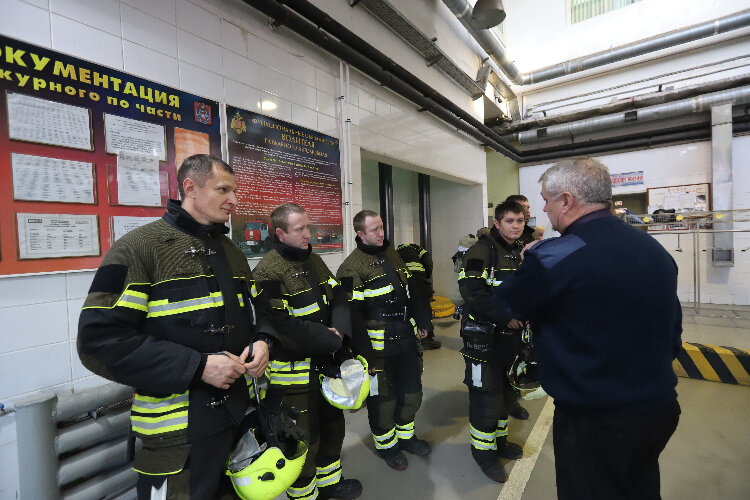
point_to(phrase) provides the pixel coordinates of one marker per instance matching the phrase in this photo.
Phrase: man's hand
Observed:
(528, 245)
(336, 332)
(515, 324)
(222, 370)
(259, 362)
(422, 333)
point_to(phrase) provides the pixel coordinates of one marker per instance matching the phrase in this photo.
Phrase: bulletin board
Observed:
(87, 153)
(276, 162)
(687, 198)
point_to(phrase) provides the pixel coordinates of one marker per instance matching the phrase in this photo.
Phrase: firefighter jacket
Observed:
(480, 274)
(527, 236)
(382, 308)
(155, 310)
(419, 263)
(305, 299)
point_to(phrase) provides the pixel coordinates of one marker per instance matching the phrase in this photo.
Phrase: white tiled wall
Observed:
(673, 166)
(220, 49)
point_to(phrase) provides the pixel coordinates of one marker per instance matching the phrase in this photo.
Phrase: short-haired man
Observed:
(386, 321)
(528, 234)
(169, 313)
(310, 310)
(607, 365)
(489, 353)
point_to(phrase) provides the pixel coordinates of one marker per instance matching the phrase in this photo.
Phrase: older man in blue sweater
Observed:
(602, 299)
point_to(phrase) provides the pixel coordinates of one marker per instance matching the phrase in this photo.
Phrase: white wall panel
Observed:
(103, 15)
(148, 31)
(72, 37)
(26, 22)
(33, 325)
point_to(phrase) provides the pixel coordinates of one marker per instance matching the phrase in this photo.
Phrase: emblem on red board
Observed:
(238, 124)
(203, 113)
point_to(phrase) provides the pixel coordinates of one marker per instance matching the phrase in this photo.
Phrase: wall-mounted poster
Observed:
(277, 162)
(685, 199)
(85, 140)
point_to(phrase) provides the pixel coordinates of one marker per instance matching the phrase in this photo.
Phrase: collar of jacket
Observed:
(292, 253)
(500, 240)
(597, 214)
(372, 250)
(179, 218)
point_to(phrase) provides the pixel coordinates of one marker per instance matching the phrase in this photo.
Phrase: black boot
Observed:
(415, 445)
(430, 343)
(346, 489)
(518, 412)
(508, 450)
(394, 458)
(488, 461)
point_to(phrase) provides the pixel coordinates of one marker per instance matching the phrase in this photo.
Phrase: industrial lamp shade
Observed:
(486, 14)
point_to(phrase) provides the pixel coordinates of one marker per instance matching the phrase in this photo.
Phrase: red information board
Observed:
(62, 123)
(277, 162)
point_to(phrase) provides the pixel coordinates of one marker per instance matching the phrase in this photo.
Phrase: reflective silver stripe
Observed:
(241, 481)
(369, 292)
(289, 378)
(139, 403)
(476, 374)
(166, 422)
(213, 299)
(286, 365)
(304, 311)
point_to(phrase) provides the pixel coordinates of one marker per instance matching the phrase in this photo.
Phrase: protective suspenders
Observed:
(312, 279)
(401, 292)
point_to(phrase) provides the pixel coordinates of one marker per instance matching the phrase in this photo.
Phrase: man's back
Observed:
(606, 313)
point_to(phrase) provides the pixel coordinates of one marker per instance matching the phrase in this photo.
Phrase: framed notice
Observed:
(41, 178)
(44, 236)
(135, 136)
(276, 162)
(121, 225)
(45, 121)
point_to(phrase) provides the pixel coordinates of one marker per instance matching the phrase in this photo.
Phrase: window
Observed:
(580, 10)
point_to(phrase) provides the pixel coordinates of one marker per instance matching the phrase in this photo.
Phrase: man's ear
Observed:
(360, 234)
(188, 187)
(567, 201)
(278, 232)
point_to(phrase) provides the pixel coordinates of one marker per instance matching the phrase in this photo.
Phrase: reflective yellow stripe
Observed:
(307, 492)
(405, 431)
(377, 339)
(148, 404)
(415, 266)
(333, 282)
(385, 441)
(357, 295)
(158, 308)
(331, 474)
(422, 252)
(159, 425)
(133, 300)
(282, 372)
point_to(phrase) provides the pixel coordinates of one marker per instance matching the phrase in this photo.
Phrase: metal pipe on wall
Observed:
(425, 213)
(375, 64)
(385, 181)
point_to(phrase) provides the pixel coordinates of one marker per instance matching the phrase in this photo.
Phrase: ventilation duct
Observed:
(705, 102)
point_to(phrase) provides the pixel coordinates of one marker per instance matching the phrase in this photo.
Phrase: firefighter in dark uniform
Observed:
(310, 310)
(490, 345)
(419, 263)
(386, 321)
(172, 311)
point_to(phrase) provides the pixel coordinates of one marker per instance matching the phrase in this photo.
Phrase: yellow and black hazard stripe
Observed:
(717, 363)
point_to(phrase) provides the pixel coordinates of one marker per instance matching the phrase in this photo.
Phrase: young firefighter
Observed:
(490, 345)
(385, 323)
(310, 310)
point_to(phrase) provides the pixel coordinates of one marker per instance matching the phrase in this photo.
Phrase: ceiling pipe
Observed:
(463, 10)
(375, 64)
(697, 104)
(639, 48)
(639, 140)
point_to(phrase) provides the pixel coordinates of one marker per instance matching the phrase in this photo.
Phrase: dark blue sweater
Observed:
(602, 299)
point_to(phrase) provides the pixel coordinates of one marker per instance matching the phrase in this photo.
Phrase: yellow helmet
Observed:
(348, 391)
(269, 474)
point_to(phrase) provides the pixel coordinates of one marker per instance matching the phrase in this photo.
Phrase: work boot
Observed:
(518, 412)
(488, 461)
(346, 489)
(394, 458)
(415, 446)
(509, 450)
(430, 343)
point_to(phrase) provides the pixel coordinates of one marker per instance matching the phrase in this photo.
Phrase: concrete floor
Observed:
(708, 457)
